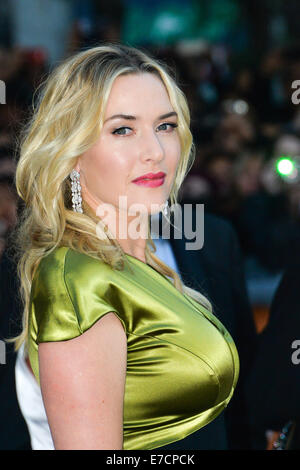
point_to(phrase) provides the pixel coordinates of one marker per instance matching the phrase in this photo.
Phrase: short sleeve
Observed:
(70, 292)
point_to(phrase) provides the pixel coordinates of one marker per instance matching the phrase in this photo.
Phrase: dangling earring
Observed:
(165, 208)
(76, 191)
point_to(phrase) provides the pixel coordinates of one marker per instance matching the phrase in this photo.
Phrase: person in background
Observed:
(273, 386)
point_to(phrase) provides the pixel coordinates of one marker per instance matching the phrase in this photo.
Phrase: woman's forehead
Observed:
(132, 92)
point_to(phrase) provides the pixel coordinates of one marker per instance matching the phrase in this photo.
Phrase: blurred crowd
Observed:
(243, 122)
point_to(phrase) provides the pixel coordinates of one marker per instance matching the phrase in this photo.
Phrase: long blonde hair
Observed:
(65, 123)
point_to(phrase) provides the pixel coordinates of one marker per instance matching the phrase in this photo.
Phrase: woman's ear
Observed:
(77, 167)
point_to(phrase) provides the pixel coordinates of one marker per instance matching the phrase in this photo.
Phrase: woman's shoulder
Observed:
(66, 264)
(70, 292)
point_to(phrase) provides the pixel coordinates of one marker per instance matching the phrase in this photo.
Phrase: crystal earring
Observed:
(76, 191)
(165, 208)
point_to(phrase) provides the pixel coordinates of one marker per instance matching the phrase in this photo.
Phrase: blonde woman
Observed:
(126, 356)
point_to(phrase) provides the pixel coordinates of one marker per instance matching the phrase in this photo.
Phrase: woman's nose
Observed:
(151, 147)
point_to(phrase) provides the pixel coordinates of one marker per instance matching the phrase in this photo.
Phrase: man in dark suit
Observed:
(273, 386)
(216, 270)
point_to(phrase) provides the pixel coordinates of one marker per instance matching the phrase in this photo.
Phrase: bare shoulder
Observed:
(82, 382)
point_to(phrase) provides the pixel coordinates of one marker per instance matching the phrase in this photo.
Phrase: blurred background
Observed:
(236, 61)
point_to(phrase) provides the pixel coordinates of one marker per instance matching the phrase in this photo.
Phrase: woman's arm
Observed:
(82, 382)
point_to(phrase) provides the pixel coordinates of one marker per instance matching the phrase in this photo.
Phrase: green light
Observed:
(285, 166)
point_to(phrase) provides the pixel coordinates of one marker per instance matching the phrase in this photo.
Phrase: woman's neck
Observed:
(131, 232)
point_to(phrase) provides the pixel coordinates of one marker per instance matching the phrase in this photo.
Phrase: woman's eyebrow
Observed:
(130, 117)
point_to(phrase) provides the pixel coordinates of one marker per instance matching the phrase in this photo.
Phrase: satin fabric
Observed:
(182, 364)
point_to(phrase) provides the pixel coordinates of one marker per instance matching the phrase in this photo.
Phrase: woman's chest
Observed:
(178, 362)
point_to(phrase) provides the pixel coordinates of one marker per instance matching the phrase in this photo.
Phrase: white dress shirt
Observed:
(31, 405)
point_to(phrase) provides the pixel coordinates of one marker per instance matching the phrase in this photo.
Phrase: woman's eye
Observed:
(120, 130)
(171, 124)
(163, 127)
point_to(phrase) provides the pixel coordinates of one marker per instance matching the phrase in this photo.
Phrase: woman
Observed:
(126, 358)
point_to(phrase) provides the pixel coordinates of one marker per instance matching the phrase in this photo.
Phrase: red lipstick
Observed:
(150, 180)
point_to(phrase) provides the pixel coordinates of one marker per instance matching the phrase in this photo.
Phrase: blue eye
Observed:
(117, 131)
(122, 130)
(172, 124)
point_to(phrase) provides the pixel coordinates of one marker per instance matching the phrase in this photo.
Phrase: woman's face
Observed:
(137, 138)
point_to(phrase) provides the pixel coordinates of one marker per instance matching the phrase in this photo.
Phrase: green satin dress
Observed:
(182, 364)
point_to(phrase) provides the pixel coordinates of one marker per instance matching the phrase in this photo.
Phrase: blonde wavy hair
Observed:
(65, 122)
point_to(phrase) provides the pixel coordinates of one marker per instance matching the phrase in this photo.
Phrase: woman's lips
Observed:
(150, 183)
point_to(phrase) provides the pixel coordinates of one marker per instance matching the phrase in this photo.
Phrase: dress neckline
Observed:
(148, 265)
(199, 307)
(131, 256)
(170, 283)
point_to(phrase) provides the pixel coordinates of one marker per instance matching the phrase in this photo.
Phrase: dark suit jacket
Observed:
(273, 386)
(13, 430)
(217, 271)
